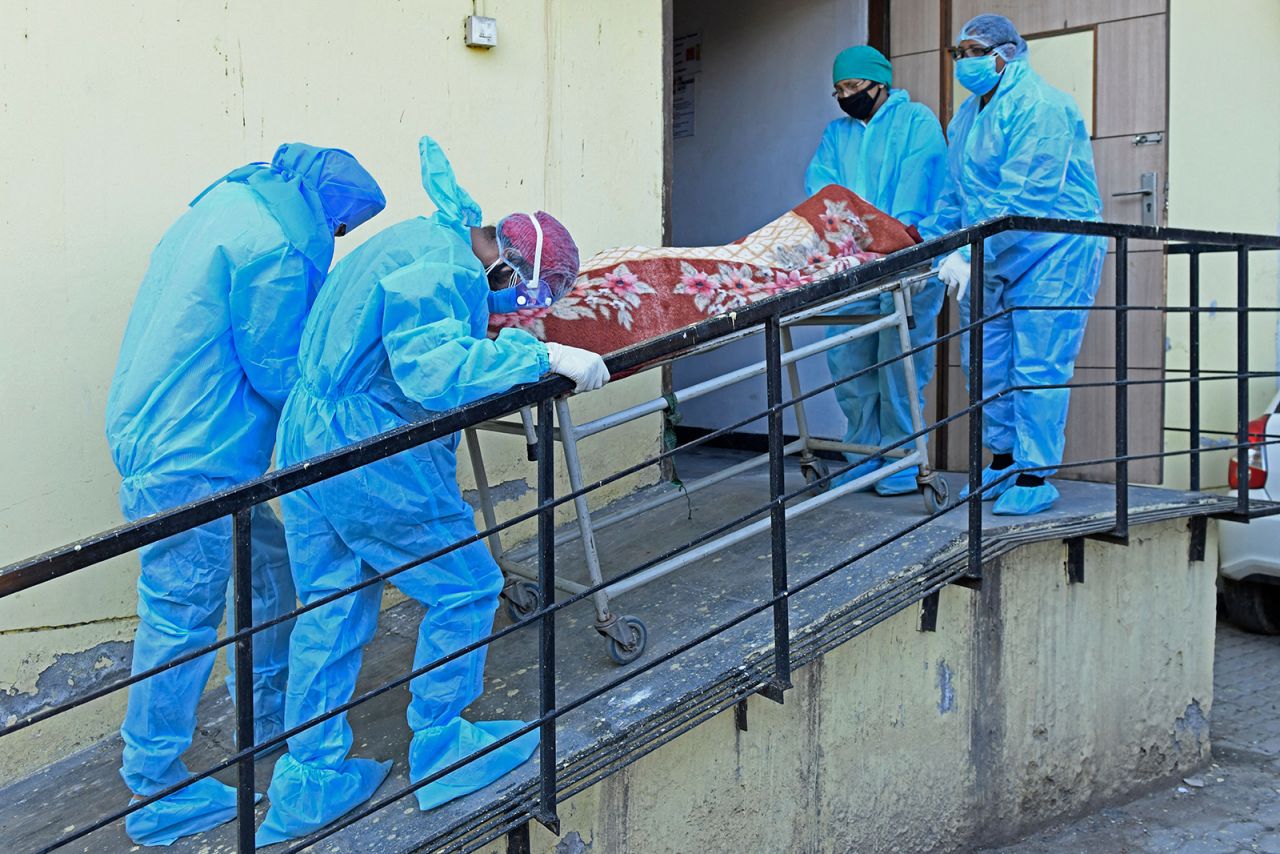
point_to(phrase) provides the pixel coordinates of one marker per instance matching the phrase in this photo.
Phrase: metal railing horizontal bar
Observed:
(1193, 248)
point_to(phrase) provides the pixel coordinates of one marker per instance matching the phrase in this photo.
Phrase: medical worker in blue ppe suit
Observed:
(399, 333)
(1019, 146)
(208, 359)
(890, 151)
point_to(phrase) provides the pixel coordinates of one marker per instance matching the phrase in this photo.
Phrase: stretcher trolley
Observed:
(626, 635)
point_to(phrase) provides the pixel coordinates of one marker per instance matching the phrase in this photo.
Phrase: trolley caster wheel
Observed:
(813, 474)
(521, 599)
(626, 653)
(937, 495)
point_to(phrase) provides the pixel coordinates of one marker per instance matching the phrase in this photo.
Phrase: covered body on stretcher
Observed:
(629, 295)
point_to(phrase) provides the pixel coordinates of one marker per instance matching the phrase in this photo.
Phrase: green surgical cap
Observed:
(862, 62)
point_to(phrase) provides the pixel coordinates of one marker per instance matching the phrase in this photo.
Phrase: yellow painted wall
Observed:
(1224, 174)
(114, 115)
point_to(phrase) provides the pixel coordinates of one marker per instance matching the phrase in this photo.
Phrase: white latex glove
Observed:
(582, 366)
(954, 273)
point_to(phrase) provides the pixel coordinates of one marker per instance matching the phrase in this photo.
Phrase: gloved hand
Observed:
(954, 273)
(582, 366)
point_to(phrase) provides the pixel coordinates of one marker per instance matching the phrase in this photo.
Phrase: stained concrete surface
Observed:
(676, 609)
(1232, 806)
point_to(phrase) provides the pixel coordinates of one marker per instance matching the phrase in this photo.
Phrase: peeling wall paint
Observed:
(946, 692)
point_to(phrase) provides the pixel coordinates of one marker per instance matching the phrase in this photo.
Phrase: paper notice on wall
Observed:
(686, 62)
(682, 110)
(688, 56)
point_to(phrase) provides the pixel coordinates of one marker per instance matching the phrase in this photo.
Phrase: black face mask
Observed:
(861, 105)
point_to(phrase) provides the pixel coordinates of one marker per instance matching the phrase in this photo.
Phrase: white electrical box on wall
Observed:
(481, 31)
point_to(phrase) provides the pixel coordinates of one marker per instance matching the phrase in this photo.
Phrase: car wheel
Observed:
(1252, 606)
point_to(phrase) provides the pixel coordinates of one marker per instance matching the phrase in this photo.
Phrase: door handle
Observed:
(1150, 192)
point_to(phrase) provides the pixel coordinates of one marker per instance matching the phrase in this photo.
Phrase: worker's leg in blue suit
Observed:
(316, 782)
(460, 590)
(1045, 345)
(181, 600)
(273, 595)
(859, 398)
(998, 434)
(895, 412)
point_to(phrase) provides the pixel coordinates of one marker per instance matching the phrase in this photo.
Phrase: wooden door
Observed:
(1125, 102)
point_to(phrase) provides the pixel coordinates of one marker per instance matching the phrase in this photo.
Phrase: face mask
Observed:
(860, 105)
(534, 293)
(978, 73)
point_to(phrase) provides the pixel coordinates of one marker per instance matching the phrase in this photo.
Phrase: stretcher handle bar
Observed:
(640, 410)
(758, 527)
(900, 281)
(846, 447)
(497, 425)
(603, 521)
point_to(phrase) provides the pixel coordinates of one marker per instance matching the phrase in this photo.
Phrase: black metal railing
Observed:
(238, 502)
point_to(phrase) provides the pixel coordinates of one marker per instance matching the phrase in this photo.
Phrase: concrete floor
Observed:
(84, 787)
(1234, 805)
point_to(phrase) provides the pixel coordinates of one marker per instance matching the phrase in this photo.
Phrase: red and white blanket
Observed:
(630, 294)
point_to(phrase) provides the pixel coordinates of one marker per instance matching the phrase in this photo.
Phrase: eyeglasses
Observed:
(959, 53)
(849, 91)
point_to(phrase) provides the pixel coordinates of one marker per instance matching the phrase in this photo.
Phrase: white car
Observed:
(1249, 555)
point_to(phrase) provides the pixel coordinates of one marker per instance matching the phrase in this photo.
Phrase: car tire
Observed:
(1252, 606)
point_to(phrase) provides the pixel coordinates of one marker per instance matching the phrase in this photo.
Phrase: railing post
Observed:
(1242, 379)
(1122, 387)
(777, 510)
(547, 622)
(1193, 384)
(242, 575)
(976, 312)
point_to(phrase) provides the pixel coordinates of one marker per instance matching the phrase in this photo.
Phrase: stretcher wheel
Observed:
(937, 495)
(627, 653)
(813, 473)
(522, 599)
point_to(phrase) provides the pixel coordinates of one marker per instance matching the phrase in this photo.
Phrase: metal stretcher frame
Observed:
(626, 635)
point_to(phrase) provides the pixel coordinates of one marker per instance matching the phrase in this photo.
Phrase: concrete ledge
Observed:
(1035, 699)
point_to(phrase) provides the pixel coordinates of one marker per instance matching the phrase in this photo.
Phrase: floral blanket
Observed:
(631, 294)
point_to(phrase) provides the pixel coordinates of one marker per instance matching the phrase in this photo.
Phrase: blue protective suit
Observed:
(398, 334)
(897, 162)
(1028, 153)
(207, 361)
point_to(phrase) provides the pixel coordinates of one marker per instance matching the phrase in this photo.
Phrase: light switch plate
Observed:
(481, 31)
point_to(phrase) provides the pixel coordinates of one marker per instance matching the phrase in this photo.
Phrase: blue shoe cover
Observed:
(305, 798)
(202, 806)
(439, 747)
(989, 475)
(862, 469)
(899, 483)
(1025, 500)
